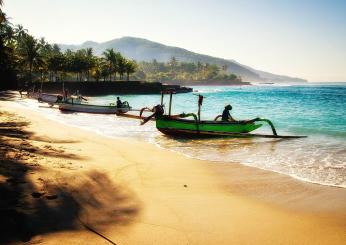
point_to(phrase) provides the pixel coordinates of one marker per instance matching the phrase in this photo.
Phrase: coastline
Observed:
(133, 197)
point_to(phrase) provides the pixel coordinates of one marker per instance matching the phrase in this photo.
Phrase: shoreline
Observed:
(175, 199)
(159, 145)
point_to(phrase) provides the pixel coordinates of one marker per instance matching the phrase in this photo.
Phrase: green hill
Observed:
(144, 50)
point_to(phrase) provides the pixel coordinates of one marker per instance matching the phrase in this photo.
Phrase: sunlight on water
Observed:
(316, 111)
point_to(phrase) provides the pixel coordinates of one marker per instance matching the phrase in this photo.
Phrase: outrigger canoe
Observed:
(78, 106)
(178, 125)
(43, 97)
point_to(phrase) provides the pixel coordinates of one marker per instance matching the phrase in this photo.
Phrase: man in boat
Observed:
(226, 116)
(119, 103)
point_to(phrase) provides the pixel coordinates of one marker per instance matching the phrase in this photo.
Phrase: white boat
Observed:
(43, 97)
(77, 106)
(48, 98)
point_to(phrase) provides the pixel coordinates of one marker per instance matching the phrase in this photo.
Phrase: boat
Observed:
(76, 105)
(179, 125)
(43, 97)
(48, 98)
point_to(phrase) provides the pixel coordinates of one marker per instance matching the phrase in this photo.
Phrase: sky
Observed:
(300, 38)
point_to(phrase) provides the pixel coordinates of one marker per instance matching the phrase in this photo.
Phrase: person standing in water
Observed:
(226, 116)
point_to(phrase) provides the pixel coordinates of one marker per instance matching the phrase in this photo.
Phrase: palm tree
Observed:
(20, 32)
(96, 71)
(90, 61)
(130, 67)
(121, 63)
(110, 57)
(29, 53)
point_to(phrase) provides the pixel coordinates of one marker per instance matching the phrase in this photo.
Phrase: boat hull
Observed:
(189, 128)
(43, 97)
(47, 98)
(97, 109)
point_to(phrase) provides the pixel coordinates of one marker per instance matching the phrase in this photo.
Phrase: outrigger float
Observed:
(178, 125)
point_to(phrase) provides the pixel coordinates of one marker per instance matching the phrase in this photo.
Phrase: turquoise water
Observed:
(318, 111)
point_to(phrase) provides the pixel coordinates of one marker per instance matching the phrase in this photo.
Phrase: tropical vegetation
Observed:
(174, 70)
(25, 59)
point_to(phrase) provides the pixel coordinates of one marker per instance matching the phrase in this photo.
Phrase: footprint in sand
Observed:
(51, 197)
(37, 194)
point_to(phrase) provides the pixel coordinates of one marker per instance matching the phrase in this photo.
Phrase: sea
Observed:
(317, 111)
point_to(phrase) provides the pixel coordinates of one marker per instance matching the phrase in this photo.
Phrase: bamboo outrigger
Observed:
(178, 125)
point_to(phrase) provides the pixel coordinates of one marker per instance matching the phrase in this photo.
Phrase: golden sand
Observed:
(64, 185)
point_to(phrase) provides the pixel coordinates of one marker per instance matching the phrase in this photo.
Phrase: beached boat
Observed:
(178, 125)
(76, 105)
(48, 98)
(42, 97)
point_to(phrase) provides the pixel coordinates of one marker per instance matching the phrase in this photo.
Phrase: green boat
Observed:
(179, 125)
(185, 127)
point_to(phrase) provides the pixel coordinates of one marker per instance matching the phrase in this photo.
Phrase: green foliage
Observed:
(184, 71)
(25, 59)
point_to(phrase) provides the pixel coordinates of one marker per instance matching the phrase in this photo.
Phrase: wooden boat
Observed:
(43, 97)
(76, 105)
(178, 125)
(184, 127)
(48, 98)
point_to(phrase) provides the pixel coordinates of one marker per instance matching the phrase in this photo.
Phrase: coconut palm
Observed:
(29, 53)
(110, 57)
(121, 63)
(130, 67)
(20, 32)
(90, 59)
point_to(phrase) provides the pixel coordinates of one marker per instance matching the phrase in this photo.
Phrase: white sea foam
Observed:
(315, 159)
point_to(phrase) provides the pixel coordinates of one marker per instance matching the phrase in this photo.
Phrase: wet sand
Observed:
(64, 185)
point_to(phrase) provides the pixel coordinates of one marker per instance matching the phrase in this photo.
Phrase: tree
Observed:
(121, 65)
(90, 60)
(20, 32)
(7, 56)
(55, 63)
(130, 67)
(29, 53)
(111, 58)
(173, 63)
(100, 69)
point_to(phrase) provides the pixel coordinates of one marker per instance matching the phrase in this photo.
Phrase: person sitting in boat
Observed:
(226, 116)
(119, 103)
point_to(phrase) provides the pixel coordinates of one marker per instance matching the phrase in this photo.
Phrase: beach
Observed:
(67, 185)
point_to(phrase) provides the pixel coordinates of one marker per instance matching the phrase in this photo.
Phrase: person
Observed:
(226, 116)
(65, 94)
(119, 103)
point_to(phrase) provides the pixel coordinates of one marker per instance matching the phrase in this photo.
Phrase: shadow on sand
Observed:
(66, 202)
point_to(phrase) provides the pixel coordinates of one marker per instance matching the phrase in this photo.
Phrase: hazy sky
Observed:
(303, 38)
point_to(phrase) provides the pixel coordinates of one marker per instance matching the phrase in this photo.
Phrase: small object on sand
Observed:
(51, 197)
(185, 186)
(37, 194)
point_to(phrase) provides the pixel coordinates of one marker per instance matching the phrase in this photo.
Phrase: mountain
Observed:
(145, 50)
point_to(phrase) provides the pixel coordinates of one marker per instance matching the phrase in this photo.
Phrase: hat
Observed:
(228, 107)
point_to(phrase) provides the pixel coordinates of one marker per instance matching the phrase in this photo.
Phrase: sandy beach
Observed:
(64, 185)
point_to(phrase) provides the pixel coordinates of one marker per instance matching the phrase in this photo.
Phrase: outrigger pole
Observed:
(170, 92)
